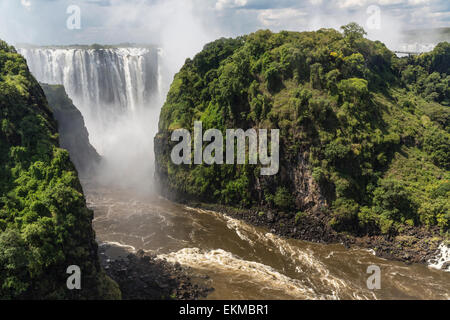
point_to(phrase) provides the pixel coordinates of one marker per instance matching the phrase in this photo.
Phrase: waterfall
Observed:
(105, 84)
(119, 92)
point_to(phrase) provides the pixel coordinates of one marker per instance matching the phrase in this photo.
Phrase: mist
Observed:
(127, 151)
(127, 147)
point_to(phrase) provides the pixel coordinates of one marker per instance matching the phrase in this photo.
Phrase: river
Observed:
(246, 262)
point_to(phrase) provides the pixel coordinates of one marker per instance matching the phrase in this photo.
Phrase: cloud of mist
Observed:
(127, 147)
(176, 26)
(127, 151)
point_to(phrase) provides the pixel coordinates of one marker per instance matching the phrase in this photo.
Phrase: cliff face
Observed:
(364, 141)
(73, 135)
(45, 225)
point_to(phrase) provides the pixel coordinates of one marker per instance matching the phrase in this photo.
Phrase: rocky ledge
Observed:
(141, 276)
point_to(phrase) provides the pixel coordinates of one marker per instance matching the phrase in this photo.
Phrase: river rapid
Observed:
(247, 262)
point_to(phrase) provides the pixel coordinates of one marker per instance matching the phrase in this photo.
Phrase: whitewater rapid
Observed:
(247, 262)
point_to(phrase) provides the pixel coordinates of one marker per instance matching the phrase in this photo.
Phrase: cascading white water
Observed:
(442, 260)
(119, 92)
(105, 84)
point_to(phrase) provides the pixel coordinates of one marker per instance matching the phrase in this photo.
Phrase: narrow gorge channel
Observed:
(240, 260)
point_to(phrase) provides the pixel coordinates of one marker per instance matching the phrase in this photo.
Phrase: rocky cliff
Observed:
(364, 140)
(73, 135)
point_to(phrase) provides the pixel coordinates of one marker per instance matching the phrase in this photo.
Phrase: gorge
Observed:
(119, 92)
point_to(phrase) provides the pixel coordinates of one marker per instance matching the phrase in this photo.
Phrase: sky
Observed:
(186, 25)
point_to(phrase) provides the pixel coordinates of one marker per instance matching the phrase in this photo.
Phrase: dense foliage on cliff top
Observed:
(45, 225)
(373, 127)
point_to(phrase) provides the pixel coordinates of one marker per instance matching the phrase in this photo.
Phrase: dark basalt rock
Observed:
(141, 276)
(73, 134)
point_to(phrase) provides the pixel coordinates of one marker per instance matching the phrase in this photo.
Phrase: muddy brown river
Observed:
(246, 262)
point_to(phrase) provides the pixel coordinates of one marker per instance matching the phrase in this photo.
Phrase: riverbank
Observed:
(141, 276)
(413, 245)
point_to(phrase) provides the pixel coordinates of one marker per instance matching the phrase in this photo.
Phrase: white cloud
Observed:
(229, 4)
(172, 24)
(192, 22)
(361, 3)
(350, 3)
(26, 3)
(278, 17)
(418, 2)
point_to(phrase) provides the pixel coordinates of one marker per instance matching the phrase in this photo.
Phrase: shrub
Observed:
(283, 199)
(442, 190)
(345, 215)
(437, 144)
(392, 201)
(436, 213)
(353, 90)
(299, 216)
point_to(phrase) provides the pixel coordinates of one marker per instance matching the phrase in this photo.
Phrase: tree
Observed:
(14, 258)
(353, 90)
(353, 31)
(393, 201)
(353, 66)
(283, 199)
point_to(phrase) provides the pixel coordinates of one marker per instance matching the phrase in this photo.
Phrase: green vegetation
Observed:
(283, 199)
(299, 216)
(45, 225)
(372, 127)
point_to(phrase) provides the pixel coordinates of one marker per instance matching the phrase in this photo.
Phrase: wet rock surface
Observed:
(414, 245)
(141, 276)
